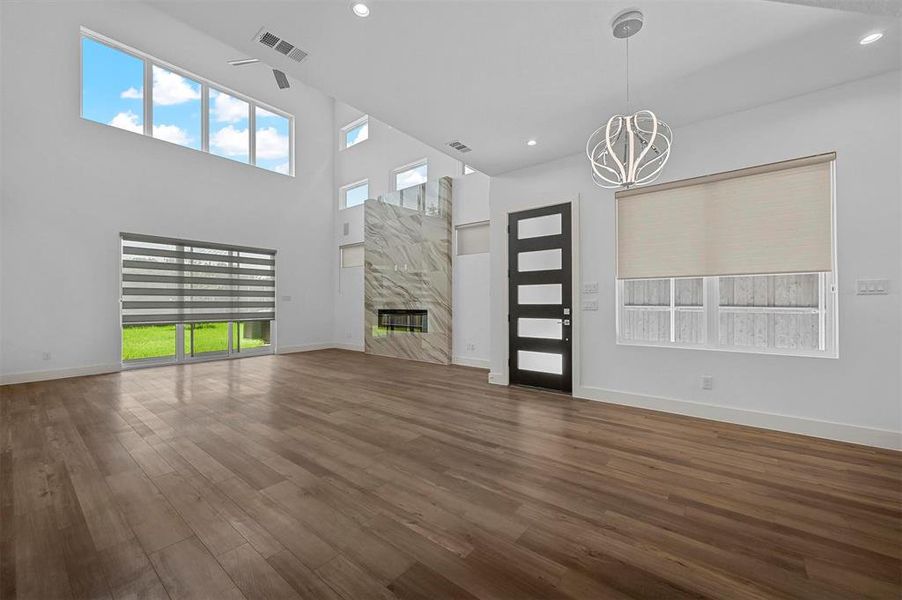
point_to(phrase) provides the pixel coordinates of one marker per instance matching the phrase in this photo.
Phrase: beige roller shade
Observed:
(770, 219)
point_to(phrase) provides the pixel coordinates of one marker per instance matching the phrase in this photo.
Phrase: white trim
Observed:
(855, 434)
(58, 374)
(498, 378)
(393, 183)
(350, 347)
(343, 193)
(304, 348)
(478, 363)
(343, 132)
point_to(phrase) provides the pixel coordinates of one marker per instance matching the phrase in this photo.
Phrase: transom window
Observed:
(354, 194)
(410, 175)
(356, 132)
(180, 108)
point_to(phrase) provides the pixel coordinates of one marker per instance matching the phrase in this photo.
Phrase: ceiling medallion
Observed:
(629, 150)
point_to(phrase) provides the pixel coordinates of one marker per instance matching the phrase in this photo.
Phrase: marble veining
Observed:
(407, 246)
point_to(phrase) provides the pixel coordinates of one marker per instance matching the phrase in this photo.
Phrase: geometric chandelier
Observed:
(630, 150)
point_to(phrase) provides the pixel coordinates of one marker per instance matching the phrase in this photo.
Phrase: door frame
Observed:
(575, 283)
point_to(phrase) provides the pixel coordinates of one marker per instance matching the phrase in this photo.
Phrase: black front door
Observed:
(539, 313)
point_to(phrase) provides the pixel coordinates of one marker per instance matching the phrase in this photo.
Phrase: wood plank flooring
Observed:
(342, 476)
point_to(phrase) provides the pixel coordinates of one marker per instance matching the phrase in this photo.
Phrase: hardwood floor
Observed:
(338, 475)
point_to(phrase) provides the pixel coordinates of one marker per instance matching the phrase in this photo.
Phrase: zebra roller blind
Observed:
(168, 280)
(775, 218)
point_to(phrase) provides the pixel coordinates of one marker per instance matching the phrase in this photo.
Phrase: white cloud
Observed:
(170, 88)
(270, 144)
(281, 168)
(230, 141)
(132, 94)
(414, 176)
(227, 109)
(171, 133)
(127, 120)
(262, 113)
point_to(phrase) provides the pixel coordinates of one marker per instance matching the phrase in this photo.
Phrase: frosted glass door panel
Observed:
(548, 329)
(544, 362)
(546, 293)
(540, 260)
(539, 226)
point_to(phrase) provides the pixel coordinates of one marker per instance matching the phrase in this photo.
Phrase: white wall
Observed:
(386, 149)
(856, 397)
(69, 186)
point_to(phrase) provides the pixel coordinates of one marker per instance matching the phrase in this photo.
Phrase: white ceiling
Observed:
(496, 73)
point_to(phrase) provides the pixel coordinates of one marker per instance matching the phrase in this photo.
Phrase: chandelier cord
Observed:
(628, 107)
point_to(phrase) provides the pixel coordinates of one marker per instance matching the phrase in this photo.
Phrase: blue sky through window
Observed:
(411, 177)
(357, 134)
(112, 83)
(229, 136)
(357, 195)
(176, 108)
(113, 94)
(272, 141)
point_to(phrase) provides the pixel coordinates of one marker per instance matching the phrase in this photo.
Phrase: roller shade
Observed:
(775, 218)
(169, 280)
(473, 238)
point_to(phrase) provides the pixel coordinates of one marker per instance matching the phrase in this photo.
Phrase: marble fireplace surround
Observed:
(407, 247)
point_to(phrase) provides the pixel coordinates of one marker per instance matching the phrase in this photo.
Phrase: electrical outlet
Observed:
(872, 287)
(707, 382)
(471, 347)
(590, 288)
(590, 305)
(46, 356)
(286, 298)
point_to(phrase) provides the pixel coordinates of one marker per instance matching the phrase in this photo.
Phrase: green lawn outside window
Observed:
(158, 341)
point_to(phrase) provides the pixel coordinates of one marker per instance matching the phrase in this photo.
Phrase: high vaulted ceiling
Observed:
(494, 74)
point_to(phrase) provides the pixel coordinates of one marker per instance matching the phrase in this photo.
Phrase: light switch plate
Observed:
(286, 298)
(590, 305)
(590, 288)
(345, 228)
(872, 287)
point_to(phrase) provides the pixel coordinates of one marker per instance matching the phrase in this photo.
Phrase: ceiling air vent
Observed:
(284, 47)
(268, 38)
(297, 55)
(459, 147)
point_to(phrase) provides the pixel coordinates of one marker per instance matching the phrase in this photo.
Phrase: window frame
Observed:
(393, 184)
(343, 193)
(206, 84)
(343, 132)
(827, 310)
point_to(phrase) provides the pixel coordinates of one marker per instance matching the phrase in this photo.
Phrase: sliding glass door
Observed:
(184, 300)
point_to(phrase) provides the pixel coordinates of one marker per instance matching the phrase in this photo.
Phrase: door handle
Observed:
(567, 322)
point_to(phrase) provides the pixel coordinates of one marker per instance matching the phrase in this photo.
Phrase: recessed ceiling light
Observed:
(870, 38)
(531, 143)
(360, 9)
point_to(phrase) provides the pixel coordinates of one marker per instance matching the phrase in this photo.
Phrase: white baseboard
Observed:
(479, 363)
(351, 347)
(496, 378)
(58, 374)
(881, 438)
(304, 348)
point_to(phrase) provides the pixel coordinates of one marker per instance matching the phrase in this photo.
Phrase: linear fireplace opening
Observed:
(410, 320)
